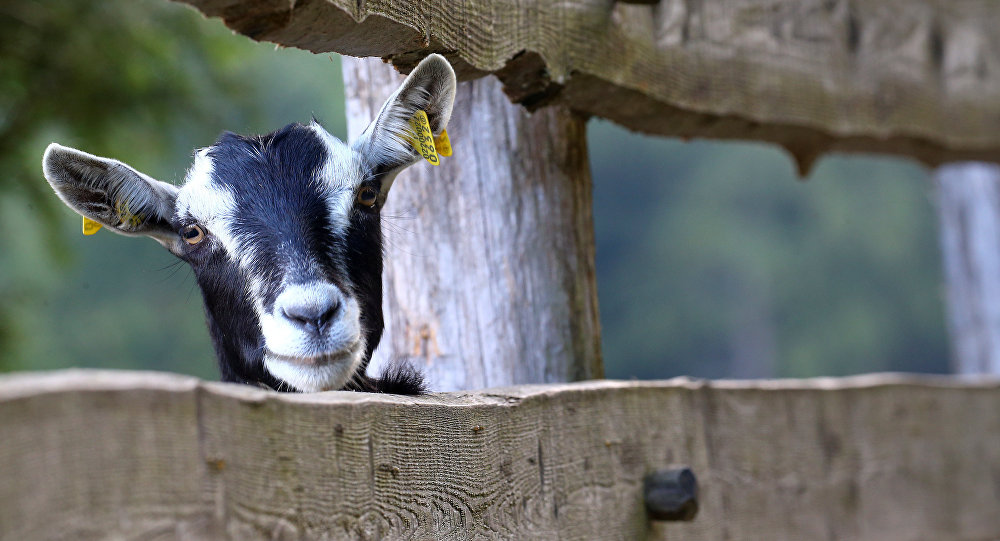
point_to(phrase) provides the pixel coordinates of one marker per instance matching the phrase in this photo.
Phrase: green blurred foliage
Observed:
(712, 259)
(144, 81)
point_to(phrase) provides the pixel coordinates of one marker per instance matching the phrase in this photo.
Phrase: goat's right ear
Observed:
(385, 144)
(111, 193)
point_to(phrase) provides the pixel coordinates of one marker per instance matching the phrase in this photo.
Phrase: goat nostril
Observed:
(314, 318)
(293, 315)
(327, 316)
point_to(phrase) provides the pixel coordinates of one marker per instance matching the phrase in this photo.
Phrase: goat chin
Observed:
(322, 373)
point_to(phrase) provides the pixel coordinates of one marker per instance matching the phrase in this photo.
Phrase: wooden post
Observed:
(969, 210)
(490, 276)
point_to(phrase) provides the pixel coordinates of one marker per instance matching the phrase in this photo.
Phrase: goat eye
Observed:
(367, 196)
(193, 234)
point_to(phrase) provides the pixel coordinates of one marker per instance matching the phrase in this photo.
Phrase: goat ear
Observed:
(385, 145)
(111, 193)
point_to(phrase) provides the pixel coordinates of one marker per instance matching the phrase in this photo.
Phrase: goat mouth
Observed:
(312, 373)
(323, 359)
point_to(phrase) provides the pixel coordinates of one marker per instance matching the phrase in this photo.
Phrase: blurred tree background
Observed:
(145, 81)
(713, 260)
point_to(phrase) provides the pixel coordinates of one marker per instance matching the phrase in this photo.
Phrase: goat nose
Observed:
(313, 317)
(312, 314)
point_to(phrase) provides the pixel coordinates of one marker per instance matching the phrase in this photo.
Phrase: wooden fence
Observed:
(130, 455)
(919, 78)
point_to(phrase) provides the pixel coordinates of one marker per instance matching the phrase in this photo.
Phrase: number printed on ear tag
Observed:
(90, 226)
(422, 139)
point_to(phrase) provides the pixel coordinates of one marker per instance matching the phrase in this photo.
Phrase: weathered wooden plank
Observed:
(913, 77)
(87, 455)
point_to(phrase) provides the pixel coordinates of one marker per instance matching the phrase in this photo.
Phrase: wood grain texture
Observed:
(969, 211)
(914, 77)
(105, 455)
(490, 277)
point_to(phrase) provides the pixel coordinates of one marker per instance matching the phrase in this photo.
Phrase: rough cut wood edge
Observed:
(914, 77)
(124, 455)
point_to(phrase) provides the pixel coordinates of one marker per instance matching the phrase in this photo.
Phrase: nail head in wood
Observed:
(671, 494)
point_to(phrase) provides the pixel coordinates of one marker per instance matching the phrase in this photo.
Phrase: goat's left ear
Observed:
(111, 193)
(385, 144)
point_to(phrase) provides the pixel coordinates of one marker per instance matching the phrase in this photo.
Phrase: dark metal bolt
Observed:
(671, 494)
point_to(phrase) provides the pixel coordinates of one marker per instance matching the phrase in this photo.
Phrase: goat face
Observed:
(282, 232)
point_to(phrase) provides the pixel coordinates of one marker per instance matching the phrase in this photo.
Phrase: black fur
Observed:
(282, 214)
(398, 378)
(303, 271)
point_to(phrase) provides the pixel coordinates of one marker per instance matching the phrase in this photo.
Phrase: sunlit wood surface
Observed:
(130, 455)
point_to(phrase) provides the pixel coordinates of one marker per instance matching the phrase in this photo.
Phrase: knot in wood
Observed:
(671, 494)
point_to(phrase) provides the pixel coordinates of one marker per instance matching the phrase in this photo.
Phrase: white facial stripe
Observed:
(340, 175)
(343, 165)
(198, 193)
(212, 205)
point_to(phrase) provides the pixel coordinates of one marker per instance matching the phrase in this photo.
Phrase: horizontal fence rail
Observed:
(131, 455)
(919, 78)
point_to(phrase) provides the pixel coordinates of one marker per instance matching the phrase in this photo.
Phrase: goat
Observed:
(283, 234)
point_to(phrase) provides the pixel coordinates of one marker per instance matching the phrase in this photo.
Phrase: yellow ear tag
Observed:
(128, 219)
(443, 144)
(422, 139)
(90, 226)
